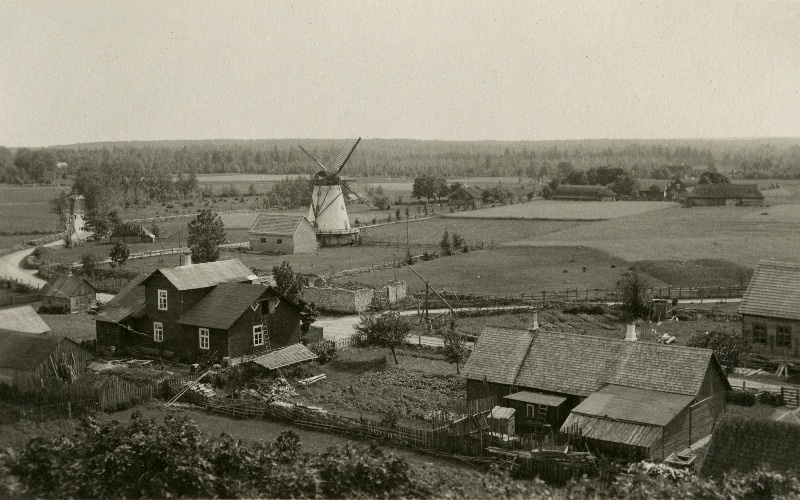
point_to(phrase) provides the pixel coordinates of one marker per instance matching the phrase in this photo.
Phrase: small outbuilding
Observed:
(583, 193)
(287, 356)
(131, 232)
(31, 362)
(68, 294)
(283, 234)
(680, 188)
(466, 197)
(728, 195)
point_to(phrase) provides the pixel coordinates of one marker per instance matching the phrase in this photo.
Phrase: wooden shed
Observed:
(30, 362)
(743, 195)
(68, 294)
(283, 234)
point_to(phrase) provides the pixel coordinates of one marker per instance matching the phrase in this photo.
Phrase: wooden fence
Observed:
(117, 393)
(145, 254)
(43, 413)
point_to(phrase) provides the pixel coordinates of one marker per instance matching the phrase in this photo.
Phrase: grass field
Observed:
(27, 209)
(565, 210)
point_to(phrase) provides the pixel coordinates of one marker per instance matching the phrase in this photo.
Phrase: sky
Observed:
(86, 71)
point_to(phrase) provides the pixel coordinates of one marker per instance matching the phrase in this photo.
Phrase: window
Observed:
(204, 342)
(530, 411)
(263, 240)
(162, 300)
(760, 334)
(280, 241)
(258, 335)
(783, 336)
(158, 332)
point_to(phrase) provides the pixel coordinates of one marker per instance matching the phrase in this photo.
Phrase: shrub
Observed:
(741, 397)
(727, 345)
(324, 349)
(769, 398)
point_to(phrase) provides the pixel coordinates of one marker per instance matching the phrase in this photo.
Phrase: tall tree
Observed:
(287, 282)
(206, 234)
(454, 348)
(387, 330)
(119, 254)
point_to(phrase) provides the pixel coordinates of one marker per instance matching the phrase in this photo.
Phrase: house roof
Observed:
(566, 363)
(791, 416)
(686, 183)
(774, 291)
(22, 319)
(284, 225)
(536, 398)
(580, 190)
(67, 286)
(726, 191)
(291, 355)
(629, 404)
(26, 351)
(613, 431)
(502, 412)
(468, 191)
(224, 305)
(129, 302)
(193, 276)
(745, 444)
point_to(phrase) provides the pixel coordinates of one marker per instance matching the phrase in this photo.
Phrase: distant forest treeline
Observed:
(744, 158)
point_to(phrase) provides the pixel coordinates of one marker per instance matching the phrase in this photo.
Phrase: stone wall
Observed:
(339, 299)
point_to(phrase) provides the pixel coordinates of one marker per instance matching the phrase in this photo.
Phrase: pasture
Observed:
(565, 210)
(27, 209)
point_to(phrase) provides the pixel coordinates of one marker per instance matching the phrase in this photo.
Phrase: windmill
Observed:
(328, 213)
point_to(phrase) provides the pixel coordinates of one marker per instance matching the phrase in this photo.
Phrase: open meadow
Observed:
(27, 210)
(565, 210)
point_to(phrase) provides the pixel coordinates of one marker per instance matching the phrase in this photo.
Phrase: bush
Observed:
(727, 345)
(741, 397)
(324, 349)
(768, 398)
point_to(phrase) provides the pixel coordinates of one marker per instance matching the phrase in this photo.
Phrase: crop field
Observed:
(27, 209)
(566, 210)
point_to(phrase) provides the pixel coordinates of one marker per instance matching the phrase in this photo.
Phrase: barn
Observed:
(68, 294)
(576, 192)
(770, 310)
(31, 362)
(607, 388)
(466, 197)
(282, 234)
(729, 195)
(131, 232)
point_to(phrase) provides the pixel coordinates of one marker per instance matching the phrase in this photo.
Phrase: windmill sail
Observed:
(338, 164)
(359, 193)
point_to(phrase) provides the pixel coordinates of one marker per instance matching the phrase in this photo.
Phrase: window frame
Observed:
(530, 410)
(204, 333)
(258, 330)
(263, 240)
(759, 334)
(280, 241)
(162, 294)
(783, 336)
(158, 331)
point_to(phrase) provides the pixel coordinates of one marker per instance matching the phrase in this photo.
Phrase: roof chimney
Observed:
(630, 334)
(534, 324)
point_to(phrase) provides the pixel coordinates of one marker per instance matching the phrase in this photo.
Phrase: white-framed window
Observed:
(162, 300)
(158, 331)
(258, 335)
(204, 338)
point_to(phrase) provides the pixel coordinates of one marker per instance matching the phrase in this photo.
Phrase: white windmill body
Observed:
(328, 213)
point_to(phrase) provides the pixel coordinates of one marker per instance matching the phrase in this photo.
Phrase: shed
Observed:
(31, 362)
(502, 420)
(68, 294)
(466, 196)
(132, 234)
(544, 409)
(747, 195)
(583, 193)
(288, 356)
(282, 234)
(114, 391)
(22, 319)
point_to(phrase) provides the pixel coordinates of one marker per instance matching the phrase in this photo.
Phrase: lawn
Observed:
(566, 210)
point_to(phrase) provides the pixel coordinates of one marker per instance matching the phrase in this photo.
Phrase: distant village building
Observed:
(680, 188)
(466, 197)
(283, 234)
(770, 310)
(652, 189)
(199, 311)
(635, 399)
(583, 193)
(705, 195)
(131, 233)
(68, 294)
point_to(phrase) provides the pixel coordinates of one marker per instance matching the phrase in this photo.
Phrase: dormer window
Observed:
(162, 300)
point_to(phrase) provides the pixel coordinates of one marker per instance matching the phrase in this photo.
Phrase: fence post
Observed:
(69, 409)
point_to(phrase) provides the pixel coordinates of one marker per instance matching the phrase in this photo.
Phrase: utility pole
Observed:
(408, 250)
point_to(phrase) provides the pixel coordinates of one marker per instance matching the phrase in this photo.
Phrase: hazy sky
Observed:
(91, 71)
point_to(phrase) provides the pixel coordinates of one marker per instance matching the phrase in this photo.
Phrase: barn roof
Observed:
(67, 286)
(22, 319)
(774, 291)
(291, 355)
(613, 431)
(26, 351)
(223, 305)
(282, 225)
(473, 192)
(744, 444)
(130, 301)
(726, 191)
(207, 274)
(629, 404)
(580, 190)
(566, 363)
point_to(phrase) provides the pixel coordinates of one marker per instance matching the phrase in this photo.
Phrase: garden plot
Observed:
(566, 210)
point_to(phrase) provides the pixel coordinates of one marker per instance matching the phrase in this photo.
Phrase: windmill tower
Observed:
(328, 213)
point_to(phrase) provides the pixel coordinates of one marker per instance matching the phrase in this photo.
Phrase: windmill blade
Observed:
(312, 157)
(338, 165)
(360, 193)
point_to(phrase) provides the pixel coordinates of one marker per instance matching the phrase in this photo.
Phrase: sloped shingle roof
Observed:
(67, 286)
(291, 355)
(284, 225)
(205, 275)
(223, 305)
(726, 191)
(629, 404)
(744, 444)
(473, 192)
(580, 364)
(26, 351)
(22, 319)
(614, 431)
(580, 190)
(130, 301)
(774, 291)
